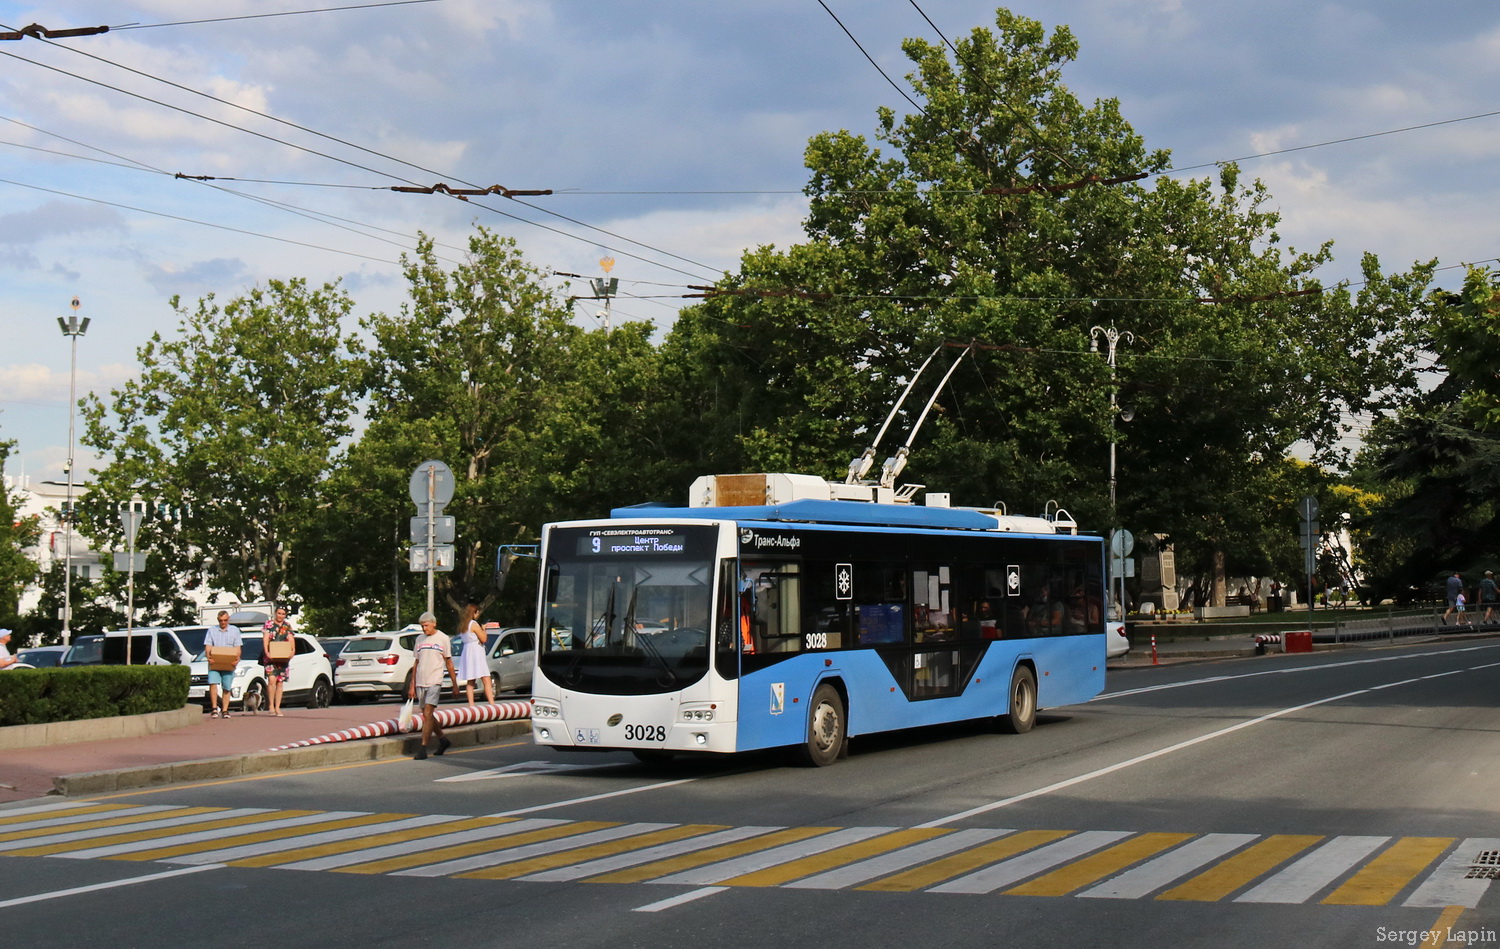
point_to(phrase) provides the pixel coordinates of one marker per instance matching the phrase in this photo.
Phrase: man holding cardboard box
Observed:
(222, 647)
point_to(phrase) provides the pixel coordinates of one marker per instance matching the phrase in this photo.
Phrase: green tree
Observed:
(1006, 213)
(1436, 464)
(233, 424)
(484, 371)
(17, 533)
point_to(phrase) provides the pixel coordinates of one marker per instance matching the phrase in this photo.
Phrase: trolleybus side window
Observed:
(726, 634)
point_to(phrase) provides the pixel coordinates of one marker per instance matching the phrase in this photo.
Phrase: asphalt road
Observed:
(1342, 799)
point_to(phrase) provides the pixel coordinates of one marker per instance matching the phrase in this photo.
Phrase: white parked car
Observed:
(1115, 642)
(309, 676)
(377, 665)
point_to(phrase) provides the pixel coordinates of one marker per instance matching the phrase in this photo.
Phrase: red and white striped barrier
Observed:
(445, 718)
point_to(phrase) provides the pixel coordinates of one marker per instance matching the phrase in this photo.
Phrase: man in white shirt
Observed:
(221, 682)
(434, 654)
(6, 659)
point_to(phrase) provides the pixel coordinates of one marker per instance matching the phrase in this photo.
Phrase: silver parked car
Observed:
(512, 657)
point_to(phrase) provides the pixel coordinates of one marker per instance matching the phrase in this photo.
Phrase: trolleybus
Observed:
(785, 610)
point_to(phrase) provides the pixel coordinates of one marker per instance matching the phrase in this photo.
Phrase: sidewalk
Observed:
(217, 747)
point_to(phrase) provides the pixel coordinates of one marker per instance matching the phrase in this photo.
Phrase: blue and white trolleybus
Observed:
(786, 610)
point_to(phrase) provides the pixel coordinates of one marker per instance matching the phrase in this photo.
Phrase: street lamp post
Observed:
(73, 328)
(1112, 338)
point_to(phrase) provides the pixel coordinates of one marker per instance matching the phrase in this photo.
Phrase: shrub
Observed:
(38, 696)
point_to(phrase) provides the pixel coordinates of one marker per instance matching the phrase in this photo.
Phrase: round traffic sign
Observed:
(432, 481)
(1121, 543)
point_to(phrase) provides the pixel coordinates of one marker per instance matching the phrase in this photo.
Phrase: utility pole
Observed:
(605, 288)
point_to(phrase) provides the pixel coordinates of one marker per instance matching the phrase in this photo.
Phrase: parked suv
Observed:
(378, 664)
(309, 676)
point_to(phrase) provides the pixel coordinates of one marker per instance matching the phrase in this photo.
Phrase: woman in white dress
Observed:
(472, 664)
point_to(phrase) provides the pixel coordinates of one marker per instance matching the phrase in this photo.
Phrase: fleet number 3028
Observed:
(645, 733)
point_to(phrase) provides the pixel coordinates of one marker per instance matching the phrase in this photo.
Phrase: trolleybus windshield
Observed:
(626, 609)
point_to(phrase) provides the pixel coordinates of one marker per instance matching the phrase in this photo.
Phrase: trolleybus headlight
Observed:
(544, 710)
(544, 734)
(697, 714)
(700, 738)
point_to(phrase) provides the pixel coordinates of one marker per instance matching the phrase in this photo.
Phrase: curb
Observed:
(16, 737)
(264, 762)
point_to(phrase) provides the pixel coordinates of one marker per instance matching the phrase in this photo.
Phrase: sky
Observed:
(671, 133)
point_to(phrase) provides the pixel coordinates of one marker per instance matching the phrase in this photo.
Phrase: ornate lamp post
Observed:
(1112, 338)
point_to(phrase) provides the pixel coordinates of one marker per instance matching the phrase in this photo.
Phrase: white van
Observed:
(153, 645)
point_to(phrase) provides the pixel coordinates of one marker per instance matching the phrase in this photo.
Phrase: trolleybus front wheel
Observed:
(825, 728)
(1021, 714)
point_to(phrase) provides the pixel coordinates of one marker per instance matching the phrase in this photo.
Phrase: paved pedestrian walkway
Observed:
(30, 772)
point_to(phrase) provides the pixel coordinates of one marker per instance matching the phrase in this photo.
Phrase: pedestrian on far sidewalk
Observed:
(1455, 587)
(472, 666)
(434, 655)
(221, 680)
(6, 659)
(276, 630)
(1489, 596)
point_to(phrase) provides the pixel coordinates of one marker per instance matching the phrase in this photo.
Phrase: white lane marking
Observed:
(896, 860)
(592, 797)
(423, 843)
(1169, 867)
(681, 898)
(73, 836)
(1300, 881)
(525, 768)
(1209, 680)
(637, 857)
(119, 818)
(765, 859)
(1151, 755)
(218, 833)
(18, 901)
(9, 812)
(557, 844)
(297, 842)
(1031, 863)
(1450, 884)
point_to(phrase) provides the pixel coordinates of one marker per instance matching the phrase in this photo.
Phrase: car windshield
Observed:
(192, 638)
(368, 645)
(628, 614)
(85, 651)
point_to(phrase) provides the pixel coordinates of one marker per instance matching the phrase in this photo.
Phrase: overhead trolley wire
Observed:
(354, 164)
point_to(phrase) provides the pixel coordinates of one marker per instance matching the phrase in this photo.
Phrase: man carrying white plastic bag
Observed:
(434, 656)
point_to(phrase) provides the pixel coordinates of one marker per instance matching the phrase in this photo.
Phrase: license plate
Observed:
(362, 662)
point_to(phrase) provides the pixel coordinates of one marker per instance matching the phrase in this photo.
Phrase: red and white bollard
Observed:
(1153, 650)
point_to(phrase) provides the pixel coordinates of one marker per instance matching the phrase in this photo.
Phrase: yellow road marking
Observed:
(1240, 869)
(489, 844)
(155, 833)
(687, 861)
(219, 843)
(362, 843)
(1081, 873)
(519, 868)
(818, 862)
(1439, 930)
(1385, 876)
(64, 812)
(119, 820)
(965, 861)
